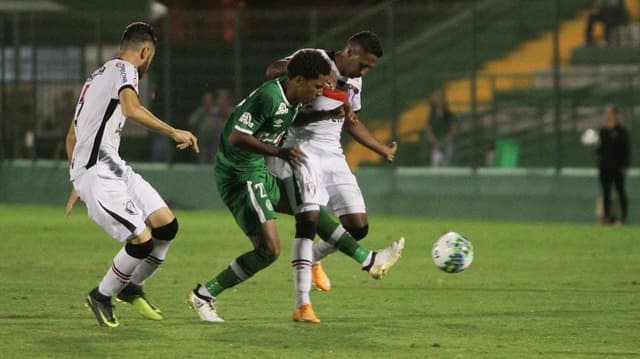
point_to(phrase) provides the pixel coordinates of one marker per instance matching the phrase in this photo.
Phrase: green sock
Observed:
(241, 269)
(344, 241)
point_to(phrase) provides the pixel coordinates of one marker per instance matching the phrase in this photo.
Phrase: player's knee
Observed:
(306, 229)
(358, 232)
(268, 256)
(139, 250)
(166, 232)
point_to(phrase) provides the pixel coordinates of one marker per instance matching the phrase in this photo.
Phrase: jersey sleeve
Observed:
(355, 94)
(126, 76)
(256, 110)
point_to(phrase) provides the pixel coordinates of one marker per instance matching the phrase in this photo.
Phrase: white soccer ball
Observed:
(452, 252)
(590, 138)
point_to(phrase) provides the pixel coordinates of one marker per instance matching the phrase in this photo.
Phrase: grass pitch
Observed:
(534, 290)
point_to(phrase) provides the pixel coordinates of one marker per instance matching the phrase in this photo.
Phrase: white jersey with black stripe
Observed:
(98, 119)
(327, 131)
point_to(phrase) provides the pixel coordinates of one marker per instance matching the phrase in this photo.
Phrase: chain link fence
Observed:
(516, 74)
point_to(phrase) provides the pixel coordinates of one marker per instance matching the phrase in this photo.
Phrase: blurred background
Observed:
(513, 84)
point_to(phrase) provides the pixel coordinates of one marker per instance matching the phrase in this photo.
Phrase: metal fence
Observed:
(506, 67)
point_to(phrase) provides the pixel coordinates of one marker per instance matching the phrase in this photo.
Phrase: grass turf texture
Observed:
(534, 290)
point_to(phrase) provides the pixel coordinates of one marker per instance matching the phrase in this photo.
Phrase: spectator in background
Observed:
(208, 120)
(614, 157)
(441, 130)
(611, 13)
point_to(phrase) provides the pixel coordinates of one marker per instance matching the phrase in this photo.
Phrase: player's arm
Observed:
(70, 143)
(249, 143)
(362, 135)
(276, 69)
(132, 109)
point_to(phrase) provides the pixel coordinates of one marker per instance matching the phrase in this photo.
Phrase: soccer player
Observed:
(252, 194)
(119, 200)
(326, 177)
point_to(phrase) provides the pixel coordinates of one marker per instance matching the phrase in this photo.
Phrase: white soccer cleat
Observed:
(206, 309)
(386, 258)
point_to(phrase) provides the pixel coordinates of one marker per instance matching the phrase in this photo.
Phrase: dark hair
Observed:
(369, 42)
(309, 64)
(137, 33)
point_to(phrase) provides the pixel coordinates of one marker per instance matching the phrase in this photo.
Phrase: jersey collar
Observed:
(284, 96)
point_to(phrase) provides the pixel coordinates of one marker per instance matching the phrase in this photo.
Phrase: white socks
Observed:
(301, 256)
(119, 274)
(322, 249)
(152, 262)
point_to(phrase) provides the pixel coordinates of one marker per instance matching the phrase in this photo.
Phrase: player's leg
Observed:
(618, 181)
(301, 256)
(376, 263)
(251, 205)
(354, 223)
(111, 208)
(605, 184)
(164, 227)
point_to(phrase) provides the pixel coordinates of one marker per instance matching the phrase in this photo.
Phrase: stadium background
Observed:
(516, 74)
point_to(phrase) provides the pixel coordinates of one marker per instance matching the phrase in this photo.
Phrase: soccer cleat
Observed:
(102, 308)
(320, 278)
(134, 295)
(206, 309)
(305, 314)
(385, 259)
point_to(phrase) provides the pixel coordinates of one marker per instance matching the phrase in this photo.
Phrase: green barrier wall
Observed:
(514, 194)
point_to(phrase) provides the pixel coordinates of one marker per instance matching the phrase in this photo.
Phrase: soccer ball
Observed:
(452, 252)
(590, 138)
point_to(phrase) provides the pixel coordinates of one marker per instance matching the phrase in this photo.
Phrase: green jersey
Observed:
(265, 114)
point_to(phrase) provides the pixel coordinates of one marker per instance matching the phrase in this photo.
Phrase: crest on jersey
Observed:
(282, 109)
(130, 208)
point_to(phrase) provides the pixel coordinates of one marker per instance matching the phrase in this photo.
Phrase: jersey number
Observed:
(260, 188)
(81, 101)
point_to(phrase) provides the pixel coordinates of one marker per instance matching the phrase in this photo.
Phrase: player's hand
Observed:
(349, 115)
(185, 139)
(390, 152)
(332, 82)
(293, 155)
(73, 198)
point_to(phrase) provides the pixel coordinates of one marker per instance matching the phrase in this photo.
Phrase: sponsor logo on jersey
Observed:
(278, 122)
(245, 119)
(268, 204)
(282, 109)
(123, 71)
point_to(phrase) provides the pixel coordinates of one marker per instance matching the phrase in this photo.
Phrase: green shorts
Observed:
(250, 197)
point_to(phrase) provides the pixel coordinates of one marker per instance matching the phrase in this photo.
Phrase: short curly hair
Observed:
(309, 64)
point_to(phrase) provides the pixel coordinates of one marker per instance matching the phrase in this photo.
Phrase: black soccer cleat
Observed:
(102, 308)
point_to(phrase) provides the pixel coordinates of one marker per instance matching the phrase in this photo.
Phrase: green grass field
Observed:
(534, 290)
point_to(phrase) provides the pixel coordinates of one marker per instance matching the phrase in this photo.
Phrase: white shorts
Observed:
(118, 204)
(324, 180)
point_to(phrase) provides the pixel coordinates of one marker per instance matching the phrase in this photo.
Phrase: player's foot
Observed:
(102, 307)
(320, 278)
(134, 295)
(305, 314)
(385, 259)
(205, 307)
